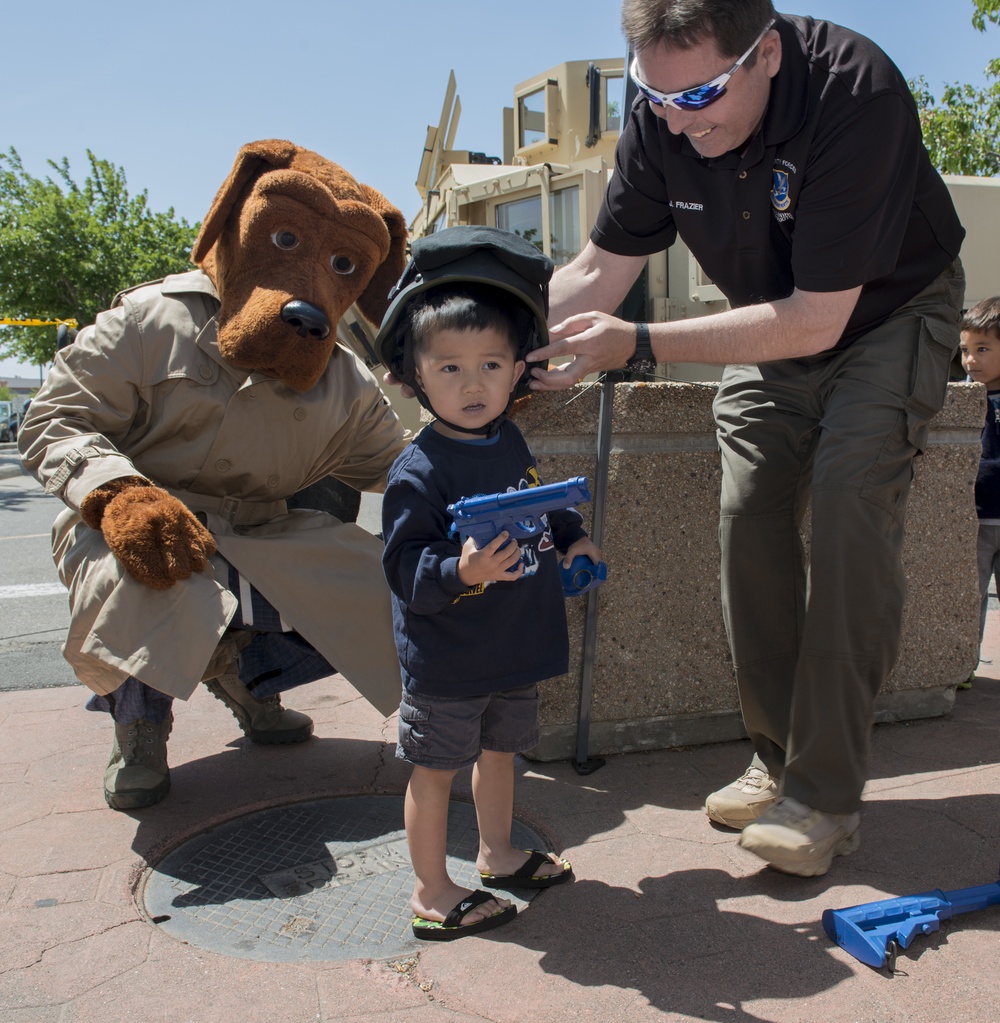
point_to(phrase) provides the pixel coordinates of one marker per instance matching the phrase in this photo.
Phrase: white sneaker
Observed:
(796, 839)
(744, 800)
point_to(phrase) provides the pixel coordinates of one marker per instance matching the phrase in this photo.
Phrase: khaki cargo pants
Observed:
(837, 433)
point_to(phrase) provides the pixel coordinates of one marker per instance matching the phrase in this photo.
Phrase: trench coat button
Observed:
(273, 481)
(299, 413)
(223, 465)
(743, 175)
(746, 214)
(205, 372)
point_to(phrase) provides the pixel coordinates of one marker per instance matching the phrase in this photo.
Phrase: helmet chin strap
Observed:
(489, 430)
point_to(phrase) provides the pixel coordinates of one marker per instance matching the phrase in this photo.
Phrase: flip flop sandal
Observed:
(525, 876)
(452, 926)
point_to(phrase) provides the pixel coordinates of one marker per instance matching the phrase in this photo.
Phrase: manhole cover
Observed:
(327, 879)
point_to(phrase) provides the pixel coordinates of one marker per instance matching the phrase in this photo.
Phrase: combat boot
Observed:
(137, 773)
(261, 720)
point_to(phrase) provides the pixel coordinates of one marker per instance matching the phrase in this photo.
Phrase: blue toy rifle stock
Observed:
(872, 931)
(519, 512)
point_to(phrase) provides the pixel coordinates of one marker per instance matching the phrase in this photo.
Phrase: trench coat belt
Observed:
(235, 510)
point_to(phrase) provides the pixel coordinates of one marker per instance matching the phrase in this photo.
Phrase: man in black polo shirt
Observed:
(787, 154)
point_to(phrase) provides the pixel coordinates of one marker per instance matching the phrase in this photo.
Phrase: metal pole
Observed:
(584, 764)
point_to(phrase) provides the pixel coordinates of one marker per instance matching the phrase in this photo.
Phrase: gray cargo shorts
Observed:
(448, 733)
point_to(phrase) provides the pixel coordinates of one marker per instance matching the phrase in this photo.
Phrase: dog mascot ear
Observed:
(251, 161)
(374, 300)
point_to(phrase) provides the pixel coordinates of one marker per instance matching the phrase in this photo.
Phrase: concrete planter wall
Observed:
(662, 673)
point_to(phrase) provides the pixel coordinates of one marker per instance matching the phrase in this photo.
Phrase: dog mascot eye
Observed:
(342, 264)
(285, 240)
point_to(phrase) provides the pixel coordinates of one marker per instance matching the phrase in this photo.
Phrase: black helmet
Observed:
(468, 254)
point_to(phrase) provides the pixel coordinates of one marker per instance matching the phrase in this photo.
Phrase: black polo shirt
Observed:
(835, 191)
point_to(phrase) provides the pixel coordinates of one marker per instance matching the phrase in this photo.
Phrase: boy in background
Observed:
(980, 352)
(476, 630)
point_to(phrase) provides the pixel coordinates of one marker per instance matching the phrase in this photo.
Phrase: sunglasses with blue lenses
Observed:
(701, 95)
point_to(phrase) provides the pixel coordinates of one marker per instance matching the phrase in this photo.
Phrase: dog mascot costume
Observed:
(176, 428)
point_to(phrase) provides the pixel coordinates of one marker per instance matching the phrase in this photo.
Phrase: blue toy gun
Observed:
(519, 512)
(874, 932)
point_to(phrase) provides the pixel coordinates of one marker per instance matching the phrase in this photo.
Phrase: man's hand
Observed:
(391, 380)
(596, 341)
(492, 563)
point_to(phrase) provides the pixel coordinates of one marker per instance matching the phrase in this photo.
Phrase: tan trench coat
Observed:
(145, 391)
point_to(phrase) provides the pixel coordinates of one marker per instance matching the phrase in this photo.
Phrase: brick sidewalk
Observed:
(668, 919)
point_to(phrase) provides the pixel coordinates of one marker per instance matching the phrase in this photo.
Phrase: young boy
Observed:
(980, 350)
(476, 630)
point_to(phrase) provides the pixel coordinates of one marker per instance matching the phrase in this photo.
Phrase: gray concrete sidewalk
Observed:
(667, 919)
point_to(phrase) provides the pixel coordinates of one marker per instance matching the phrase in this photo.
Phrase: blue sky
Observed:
(170, 91)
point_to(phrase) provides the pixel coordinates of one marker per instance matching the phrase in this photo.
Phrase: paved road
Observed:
(33, 612)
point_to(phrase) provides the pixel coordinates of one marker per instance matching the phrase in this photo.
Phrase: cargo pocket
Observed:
(413, 717)
(929, 385)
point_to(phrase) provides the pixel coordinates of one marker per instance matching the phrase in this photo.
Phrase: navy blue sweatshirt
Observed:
(988, 479)
(453, 640)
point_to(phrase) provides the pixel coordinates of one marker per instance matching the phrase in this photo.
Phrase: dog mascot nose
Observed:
(307, 320)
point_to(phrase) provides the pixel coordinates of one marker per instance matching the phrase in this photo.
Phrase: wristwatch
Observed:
(643, 361)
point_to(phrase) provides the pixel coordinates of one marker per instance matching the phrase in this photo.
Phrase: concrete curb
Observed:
(10, 462)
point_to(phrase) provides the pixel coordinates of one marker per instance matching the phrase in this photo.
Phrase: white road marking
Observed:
(31, 590)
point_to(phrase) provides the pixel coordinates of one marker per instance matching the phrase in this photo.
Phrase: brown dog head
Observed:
(290, 242)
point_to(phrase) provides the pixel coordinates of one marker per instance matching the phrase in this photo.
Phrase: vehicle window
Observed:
(524, 217)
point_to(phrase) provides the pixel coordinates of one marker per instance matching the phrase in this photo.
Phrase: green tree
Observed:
(962, 132)
(983, 11)
(66, 249)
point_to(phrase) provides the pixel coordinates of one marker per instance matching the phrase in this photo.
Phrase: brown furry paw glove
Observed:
(150, 532)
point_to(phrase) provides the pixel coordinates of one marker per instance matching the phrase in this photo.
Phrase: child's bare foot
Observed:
(435, 904)
(523, 868)
(470, 915)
